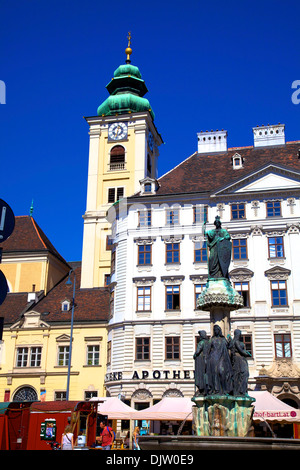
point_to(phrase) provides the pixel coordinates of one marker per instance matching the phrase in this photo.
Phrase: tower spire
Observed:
(128, 50)
(31, 209)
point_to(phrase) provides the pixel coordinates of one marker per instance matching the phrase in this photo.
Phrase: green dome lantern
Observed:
(126, 90)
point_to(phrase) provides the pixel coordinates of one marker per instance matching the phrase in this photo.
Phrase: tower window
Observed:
(117, 158)
(149, 165)
(115, 194)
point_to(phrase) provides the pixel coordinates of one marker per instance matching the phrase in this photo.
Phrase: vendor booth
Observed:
(168, 416)
(39, 425)
(119, 414)
(271, 412)
(273, 417)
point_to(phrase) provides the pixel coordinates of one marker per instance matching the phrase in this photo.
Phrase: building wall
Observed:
(43, 271)
(150, 380)
(95, 256)
(50, 376)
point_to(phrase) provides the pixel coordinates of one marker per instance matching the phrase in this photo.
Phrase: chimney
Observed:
(212, 141)
(269, 135)
(32, 296)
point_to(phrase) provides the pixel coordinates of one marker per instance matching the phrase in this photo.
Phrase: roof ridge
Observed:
(195, 153)
(38, 233)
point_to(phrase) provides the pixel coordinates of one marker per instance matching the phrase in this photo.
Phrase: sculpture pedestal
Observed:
(220, 298)
(222, 415)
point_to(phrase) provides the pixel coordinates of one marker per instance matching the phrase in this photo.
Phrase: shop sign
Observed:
(152, 375)
(48, 429)
(274, 414)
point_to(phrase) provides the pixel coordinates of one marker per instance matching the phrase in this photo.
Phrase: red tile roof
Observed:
(91, 305)
(28, 237)
(209, 172)
(13, 306)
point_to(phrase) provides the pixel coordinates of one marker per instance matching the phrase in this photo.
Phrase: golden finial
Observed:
(128, 50)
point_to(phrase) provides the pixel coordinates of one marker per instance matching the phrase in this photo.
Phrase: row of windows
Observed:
(172, 251)
(200, 213)
(32, 356)
(279, 297)
(172, 295)
(282, 342)
(30, 394)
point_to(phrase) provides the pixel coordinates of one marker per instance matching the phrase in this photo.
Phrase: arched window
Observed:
(26, 394)
(117, 158)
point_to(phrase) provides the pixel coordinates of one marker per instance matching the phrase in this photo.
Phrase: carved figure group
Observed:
(221, 367)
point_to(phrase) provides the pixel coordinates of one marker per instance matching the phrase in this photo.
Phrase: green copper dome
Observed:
(127, 69)
(124, 103)
(126, 90)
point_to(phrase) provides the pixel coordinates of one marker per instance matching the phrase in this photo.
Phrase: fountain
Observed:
(223, 407)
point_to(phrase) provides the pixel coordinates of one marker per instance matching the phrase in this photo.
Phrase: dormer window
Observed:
(65, 306)
(148, 186)
(237, 161)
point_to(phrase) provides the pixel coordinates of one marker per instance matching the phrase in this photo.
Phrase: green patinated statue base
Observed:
(222, 415)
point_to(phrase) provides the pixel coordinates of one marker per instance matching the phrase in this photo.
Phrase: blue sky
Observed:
(207, 65)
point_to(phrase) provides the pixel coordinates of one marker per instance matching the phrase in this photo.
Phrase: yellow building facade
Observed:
(35, 348)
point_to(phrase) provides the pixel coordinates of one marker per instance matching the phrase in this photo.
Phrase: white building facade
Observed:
(159, 267)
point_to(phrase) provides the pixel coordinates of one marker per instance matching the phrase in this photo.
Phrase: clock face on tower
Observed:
(117, 131)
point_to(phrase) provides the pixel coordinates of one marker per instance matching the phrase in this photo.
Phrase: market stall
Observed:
(168, 416)
(167, 409)
(274, 416)
(116, 411)
(267, 409)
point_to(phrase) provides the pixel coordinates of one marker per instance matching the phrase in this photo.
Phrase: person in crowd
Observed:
(126, 441)
(67, 439)
(107, 436)
(135, 438)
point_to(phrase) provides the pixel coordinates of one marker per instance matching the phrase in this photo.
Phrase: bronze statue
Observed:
(200, 363)
(239, 364)
(219, 369)
(219, 244)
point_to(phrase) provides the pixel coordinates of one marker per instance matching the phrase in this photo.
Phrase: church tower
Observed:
(123, 150)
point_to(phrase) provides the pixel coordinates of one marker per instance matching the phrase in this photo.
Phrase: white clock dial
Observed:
(117, 131)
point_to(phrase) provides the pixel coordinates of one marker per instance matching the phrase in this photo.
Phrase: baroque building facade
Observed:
(160, 266)
(123, 150)
(35, 347)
